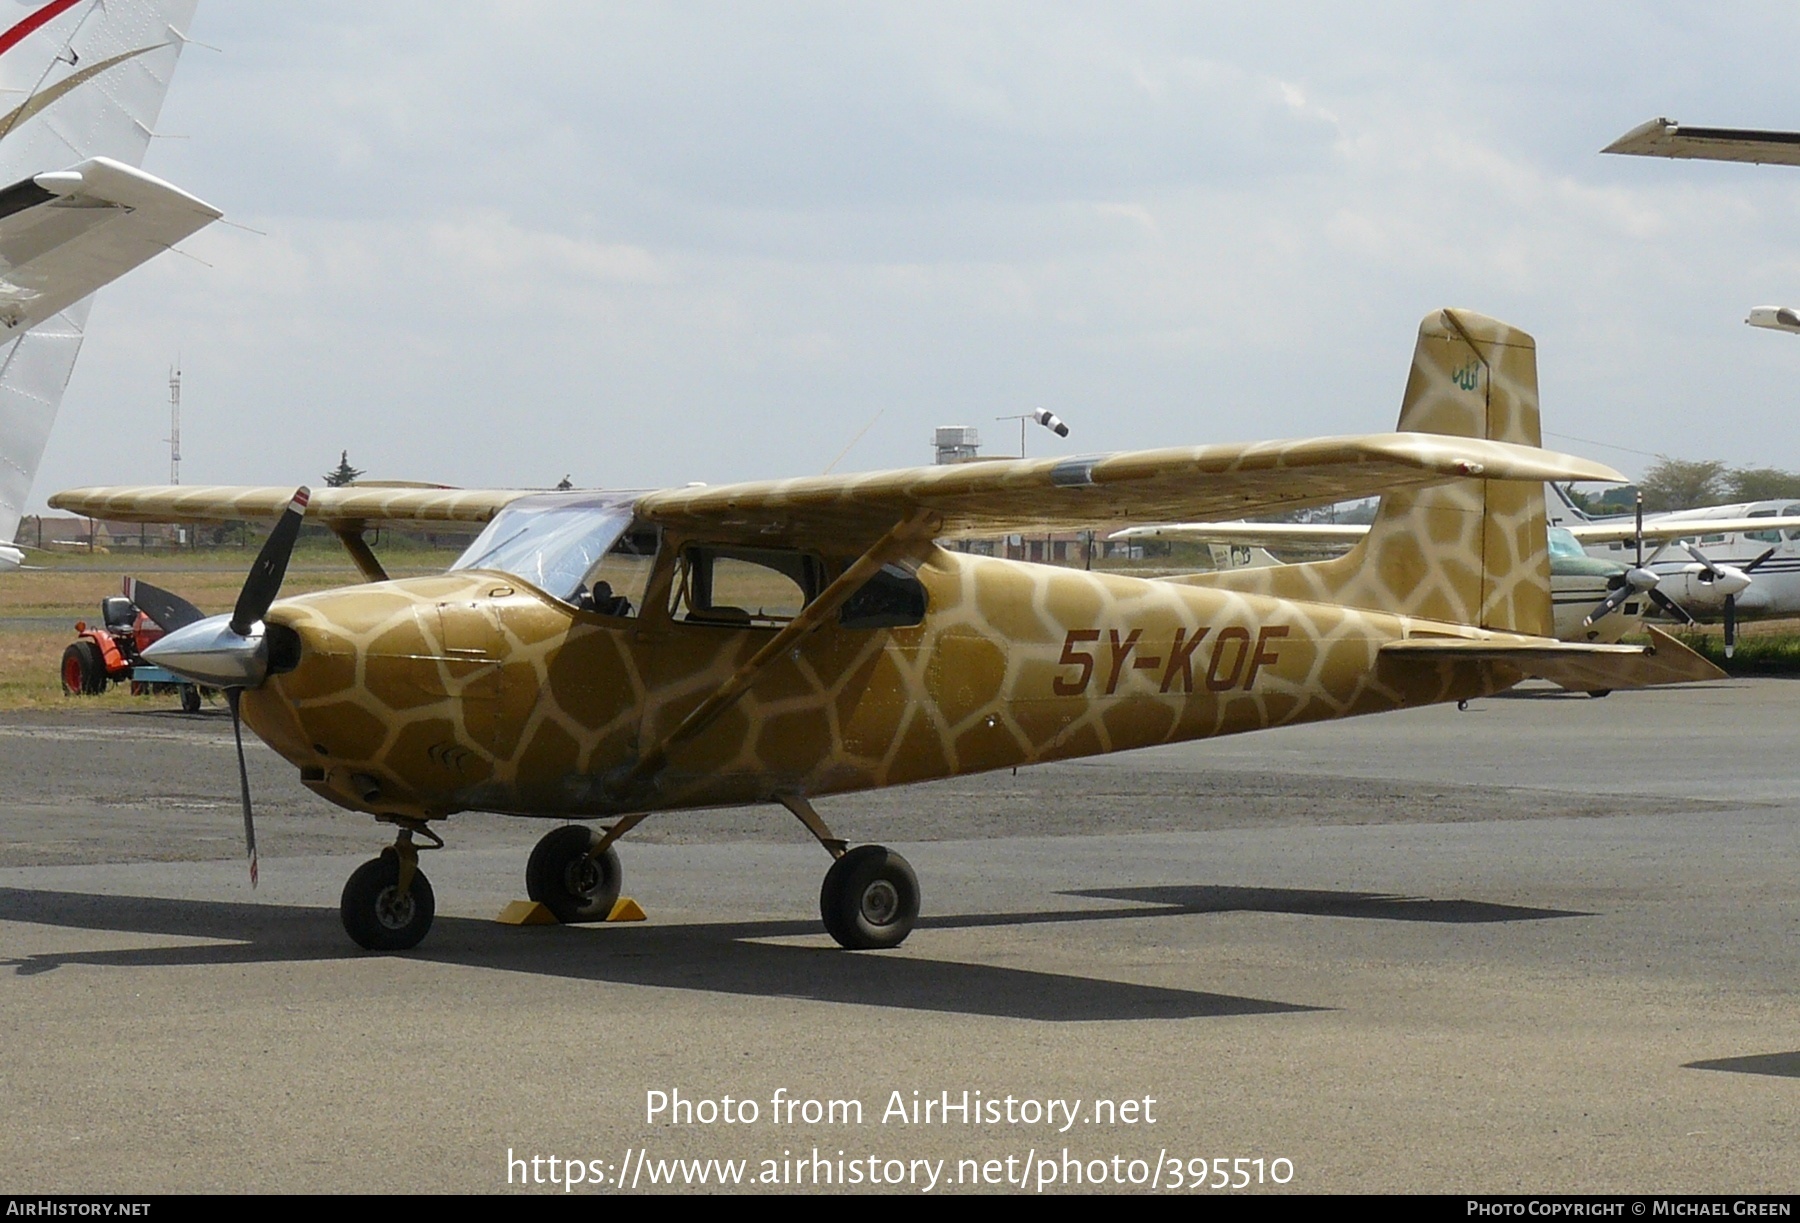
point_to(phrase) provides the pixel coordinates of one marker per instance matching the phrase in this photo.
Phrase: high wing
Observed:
(999, 496)
(65, 233)
(331, 506)
(1666, 138)
(1274, 534)
(1050, 494)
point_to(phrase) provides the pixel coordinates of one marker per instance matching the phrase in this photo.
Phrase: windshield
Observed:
(552, 540)
(1563, 543)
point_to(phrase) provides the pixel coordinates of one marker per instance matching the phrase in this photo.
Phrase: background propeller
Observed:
(1733, 579)
(170, 611)
(1637, 580)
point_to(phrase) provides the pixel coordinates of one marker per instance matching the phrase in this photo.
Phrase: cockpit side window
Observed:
(1766, 537)
(616, 586)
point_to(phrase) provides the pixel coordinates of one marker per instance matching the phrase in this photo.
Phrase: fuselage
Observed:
(476, 690)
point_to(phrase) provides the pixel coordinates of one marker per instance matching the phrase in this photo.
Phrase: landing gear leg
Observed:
(388, 904)
(870, 897)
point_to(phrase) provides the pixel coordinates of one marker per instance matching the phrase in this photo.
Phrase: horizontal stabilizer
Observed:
(66, 233)
(1578, 666)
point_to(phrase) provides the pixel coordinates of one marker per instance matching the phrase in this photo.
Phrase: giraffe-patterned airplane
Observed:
(611, 655)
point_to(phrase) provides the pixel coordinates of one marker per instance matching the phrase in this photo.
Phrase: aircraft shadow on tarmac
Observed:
(1326, 904)
(726, 957)
(1782, 1065)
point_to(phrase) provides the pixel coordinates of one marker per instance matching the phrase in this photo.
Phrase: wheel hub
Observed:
(880, 903)
(582, 877)
(394, 910)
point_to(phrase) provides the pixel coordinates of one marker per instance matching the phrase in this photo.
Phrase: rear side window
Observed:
(893, 598)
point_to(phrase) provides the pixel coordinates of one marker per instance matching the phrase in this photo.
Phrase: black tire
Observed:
(870, 899)
(1597, 693)
(84, 667)
(190, 699)
(564, 879)
(379, 920)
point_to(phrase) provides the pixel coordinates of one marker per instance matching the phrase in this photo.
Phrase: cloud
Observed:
(658, 243)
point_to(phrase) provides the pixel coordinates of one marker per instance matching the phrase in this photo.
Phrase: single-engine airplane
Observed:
(616, 654)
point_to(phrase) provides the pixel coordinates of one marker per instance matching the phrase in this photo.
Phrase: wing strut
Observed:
(919, 526)
(350, 534)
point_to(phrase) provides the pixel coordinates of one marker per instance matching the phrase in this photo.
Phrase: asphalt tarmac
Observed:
(1550, 944)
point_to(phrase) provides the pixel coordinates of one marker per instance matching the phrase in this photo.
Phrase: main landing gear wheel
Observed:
(564, 877)
(190, 699)
(377, 916)
(870, 899)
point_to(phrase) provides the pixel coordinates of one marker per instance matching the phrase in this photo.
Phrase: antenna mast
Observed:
(175, 424)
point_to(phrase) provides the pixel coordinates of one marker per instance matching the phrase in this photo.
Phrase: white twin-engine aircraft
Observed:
(1719, 563)
(81, 85)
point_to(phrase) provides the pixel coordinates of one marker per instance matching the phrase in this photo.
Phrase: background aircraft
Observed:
(81, 85)
(1719, 562)
(1579, 583)
(1750, 566)
(618, 654)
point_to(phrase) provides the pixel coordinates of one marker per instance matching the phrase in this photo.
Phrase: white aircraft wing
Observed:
(1666, 138)
(1260, 534)
(1691, 528)
(65, 233)
(1274, 534)
(1775, 318)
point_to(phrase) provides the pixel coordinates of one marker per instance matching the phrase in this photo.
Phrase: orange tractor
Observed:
(110, 652)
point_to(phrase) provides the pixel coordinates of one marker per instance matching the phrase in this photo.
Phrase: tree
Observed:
(1761, 484)
(1678, 484)
(345, 474)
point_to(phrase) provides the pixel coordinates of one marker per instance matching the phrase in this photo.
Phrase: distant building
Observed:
(957, 444)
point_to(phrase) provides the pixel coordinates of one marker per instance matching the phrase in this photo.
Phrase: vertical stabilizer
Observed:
(1469, 551)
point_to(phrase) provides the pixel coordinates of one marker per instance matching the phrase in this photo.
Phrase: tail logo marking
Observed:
(1468, 377)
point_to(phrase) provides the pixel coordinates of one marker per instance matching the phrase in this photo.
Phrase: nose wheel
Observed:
(388, 903)
(378, 914)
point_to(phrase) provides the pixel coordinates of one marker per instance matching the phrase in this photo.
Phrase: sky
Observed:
(641, 245)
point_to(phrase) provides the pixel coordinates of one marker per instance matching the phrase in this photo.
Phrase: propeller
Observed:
(230, 652)
(1731, 579)
(1636, 580)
